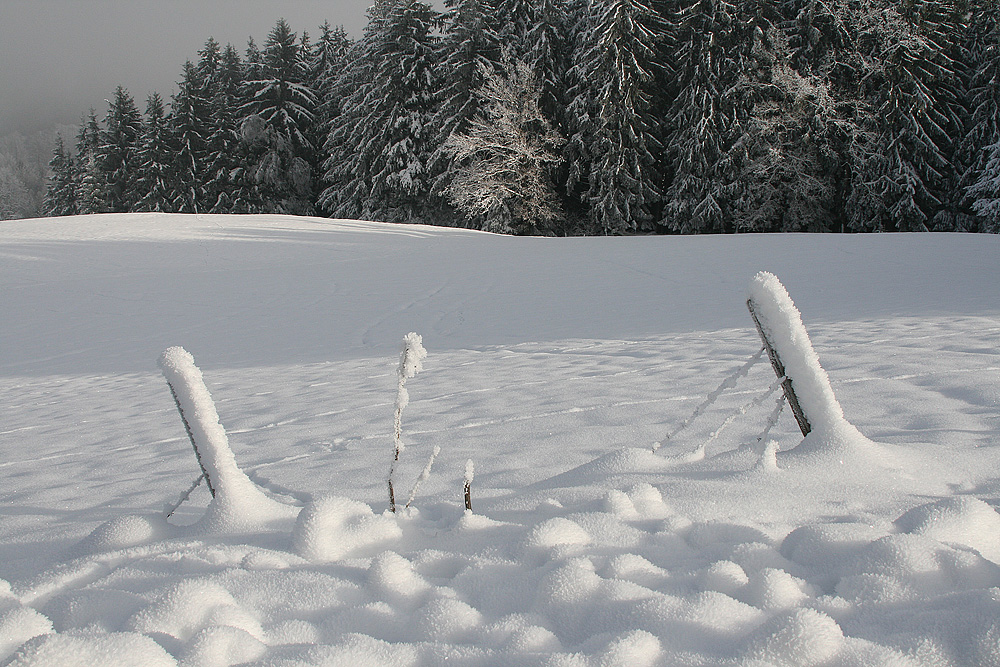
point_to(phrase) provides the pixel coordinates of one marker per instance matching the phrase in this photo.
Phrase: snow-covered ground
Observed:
(554, 365)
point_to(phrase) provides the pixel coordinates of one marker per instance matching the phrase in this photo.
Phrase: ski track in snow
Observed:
(584, 547)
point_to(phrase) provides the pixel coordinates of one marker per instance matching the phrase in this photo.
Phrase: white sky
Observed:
(58, 58)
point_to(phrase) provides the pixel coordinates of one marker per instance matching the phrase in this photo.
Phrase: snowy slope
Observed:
(554, 364)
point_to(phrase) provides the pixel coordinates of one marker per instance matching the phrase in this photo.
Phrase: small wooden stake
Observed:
(468, 495)
(779, 369)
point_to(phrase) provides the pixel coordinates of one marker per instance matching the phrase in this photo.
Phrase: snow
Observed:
(555, 365)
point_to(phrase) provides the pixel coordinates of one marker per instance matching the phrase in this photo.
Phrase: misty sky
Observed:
(58, 58)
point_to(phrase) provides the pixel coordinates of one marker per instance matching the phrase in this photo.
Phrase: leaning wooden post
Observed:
(197, 454)
(806, 384)
(779, 370)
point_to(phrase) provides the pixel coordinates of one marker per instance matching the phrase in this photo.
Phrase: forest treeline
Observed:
(576, 117)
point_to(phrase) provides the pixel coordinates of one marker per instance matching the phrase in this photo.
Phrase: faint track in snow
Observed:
(368, 335)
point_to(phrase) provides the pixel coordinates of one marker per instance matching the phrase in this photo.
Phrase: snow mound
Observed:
(447, 620)
(801, 638)
(960, 520)
(122, 649)
(900, 568)
(123, 532)
(556, 532)
(191, 605)
(19, 624)
(623, 461)
(330, 528)
(772, 588)
(394, 578)
(222, 646)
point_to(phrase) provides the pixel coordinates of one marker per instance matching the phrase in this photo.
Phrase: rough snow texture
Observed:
(560, 361)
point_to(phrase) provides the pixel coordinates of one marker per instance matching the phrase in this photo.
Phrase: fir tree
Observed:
(60, 196)
(221, 77)
(985, 192)
(624, 181)
(190, 126)
(977, 154)
(91, 194)
(381, 146)
(702, 120)
(470, 46)
(118, 152)
(788, 132)
(276, 124)
(325, 62)
(155, 160)
(905, 175)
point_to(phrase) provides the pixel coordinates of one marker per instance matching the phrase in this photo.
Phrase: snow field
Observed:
(585, 547)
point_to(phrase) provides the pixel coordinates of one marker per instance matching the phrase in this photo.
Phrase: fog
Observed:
(59, 58)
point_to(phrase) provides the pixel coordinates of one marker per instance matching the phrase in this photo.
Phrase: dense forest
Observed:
(576, 117)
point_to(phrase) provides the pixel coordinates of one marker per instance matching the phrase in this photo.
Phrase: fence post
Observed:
(779, 370)
(197, 454)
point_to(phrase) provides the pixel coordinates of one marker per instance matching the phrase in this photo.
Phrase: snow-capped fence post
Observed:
(806, 384)
(411, 362)
(779, 370)
(164, 359)
(226, 481)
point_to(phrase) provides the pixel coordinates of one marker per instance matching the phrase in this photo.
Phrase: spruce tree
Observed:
(985, 192)
(977, 153)
(60, 195)
(220, 72)
(276, 122)
(91, 194)
(624, 183)
(702, 120)
(118, 152)
(324, 64)
(905, 176)
(380, 147)
(468, 48)
(190, 127)
(155, 160)
(784, 155)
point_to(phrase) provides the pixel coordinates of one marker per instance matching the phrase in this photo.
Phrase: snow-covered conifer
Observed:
(981, 177)
(785, 155)
(469, 46)
(905, 174)
(191, 126)
(90, 193)
(381, 146)
(324, 63)
(220, 74)
(701, 121)
(118, 152)
(60, 195)
(985, 192)
(282, 154)
(155, 160)
(624, 182)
